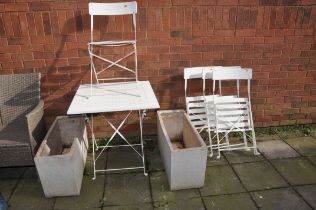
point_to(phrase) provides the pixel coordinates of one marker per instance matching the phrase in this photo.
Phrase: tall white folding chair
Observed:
(114, 9)
(231, 113)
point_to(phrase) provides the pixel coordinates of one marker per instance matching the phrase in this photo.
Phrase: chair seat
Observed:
(121, 42)
(15, 133)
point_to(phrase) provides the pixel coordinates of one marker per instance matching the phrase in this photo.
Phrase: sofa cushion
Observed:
(15, 133)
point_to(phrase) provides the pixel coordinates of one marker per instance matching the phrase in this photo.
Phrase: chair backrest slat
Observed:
(232, 74)
(122, 8)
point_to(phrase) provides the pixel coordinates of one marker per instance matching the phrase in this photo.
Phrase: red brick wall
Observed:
(274, 37)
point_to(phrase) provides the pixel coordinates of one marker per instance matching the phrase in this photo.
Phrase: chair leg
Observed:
(218, 147)
(254, 142)
(245, 141)
(210, 142)
(141, 117)
(227, 140)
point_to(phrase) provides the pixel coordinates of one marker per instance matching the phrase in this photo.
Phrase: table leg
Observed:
(142, 114)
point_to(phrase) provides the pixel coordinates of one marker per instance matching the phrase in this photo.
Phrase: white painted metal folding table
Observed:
(115, 97)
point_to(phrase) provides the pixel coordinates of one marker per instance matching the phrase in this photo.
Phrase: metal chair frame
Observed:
(107, 9)
(229, 113)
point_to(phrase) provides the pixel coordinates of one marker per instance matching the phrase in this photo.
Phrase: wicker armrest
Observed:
(36, 126)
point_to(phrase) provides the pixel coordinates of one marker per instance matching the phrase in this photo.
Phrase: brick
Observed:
(17, 41)
(16, 7)
(16, 25)
(227, 2)
(34, 64)
(40, 6)
(302, 18)
(308, 53)
(254, 40)
(205, 48)
(299, 60)
(193, 2)
(47, 23)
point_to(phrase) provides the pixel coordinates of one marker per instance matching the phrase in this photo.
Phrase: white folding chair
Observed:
(114, 9)
(196, 106)
(230, 113)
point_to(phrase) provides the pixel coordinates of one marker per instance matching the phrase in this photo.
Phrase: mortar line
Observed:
(201, 197)
(150, 190)
(16, 185)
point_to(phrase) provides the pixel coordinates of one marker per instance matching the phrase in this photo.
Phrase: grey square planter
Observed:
(185, 167)
(61, 158)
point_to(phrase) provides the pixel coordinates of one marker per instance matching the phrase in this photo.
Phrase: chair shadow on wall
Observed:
(72, 26)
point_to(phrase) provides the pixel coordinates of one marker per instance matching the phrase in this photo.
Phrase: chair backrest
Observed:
(19, 93)
(208, 73)
(121, 8)
(231, 73)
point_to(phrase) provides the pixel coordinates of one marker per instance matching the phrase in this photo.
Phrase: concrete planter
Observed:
(61, 158)
(185, 167)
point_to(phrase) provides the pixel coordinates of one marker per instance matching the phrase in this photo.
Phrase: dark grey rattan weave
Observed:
(21, 118)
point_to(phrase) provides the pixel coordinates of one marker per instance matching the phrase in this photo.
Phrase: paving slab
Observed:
(221, 180)
(193, 203)
(126, 189)
(242, 156)
(213, 161)
(276, 149)
(82, 209)
(259, 176)
(312, 159)
(306, 146)
(267, 138)
(279, 199)
(143, 206)
(308, 192)
(296, 171)
(227, 202)
(29, 193)
(100, 163)
(124, 158)
(153, 158)
(161, 191)
(91, 195)
(9, 178)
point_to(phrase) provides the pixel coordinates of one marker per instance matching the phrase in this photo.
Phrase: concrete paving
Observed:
(276, 149)
(240, 201)
(282, 177)
(259, 176)
(306, 146)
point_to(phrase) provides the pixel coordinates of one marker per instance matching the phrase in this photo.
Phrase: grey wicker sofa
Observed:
(21, 119)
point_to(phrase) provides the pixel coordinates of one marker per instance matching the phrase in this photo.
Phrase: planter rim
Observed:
(202, 143)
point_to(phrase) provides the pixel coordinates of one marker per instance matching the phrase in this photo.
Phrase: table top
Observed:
(113, 97)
